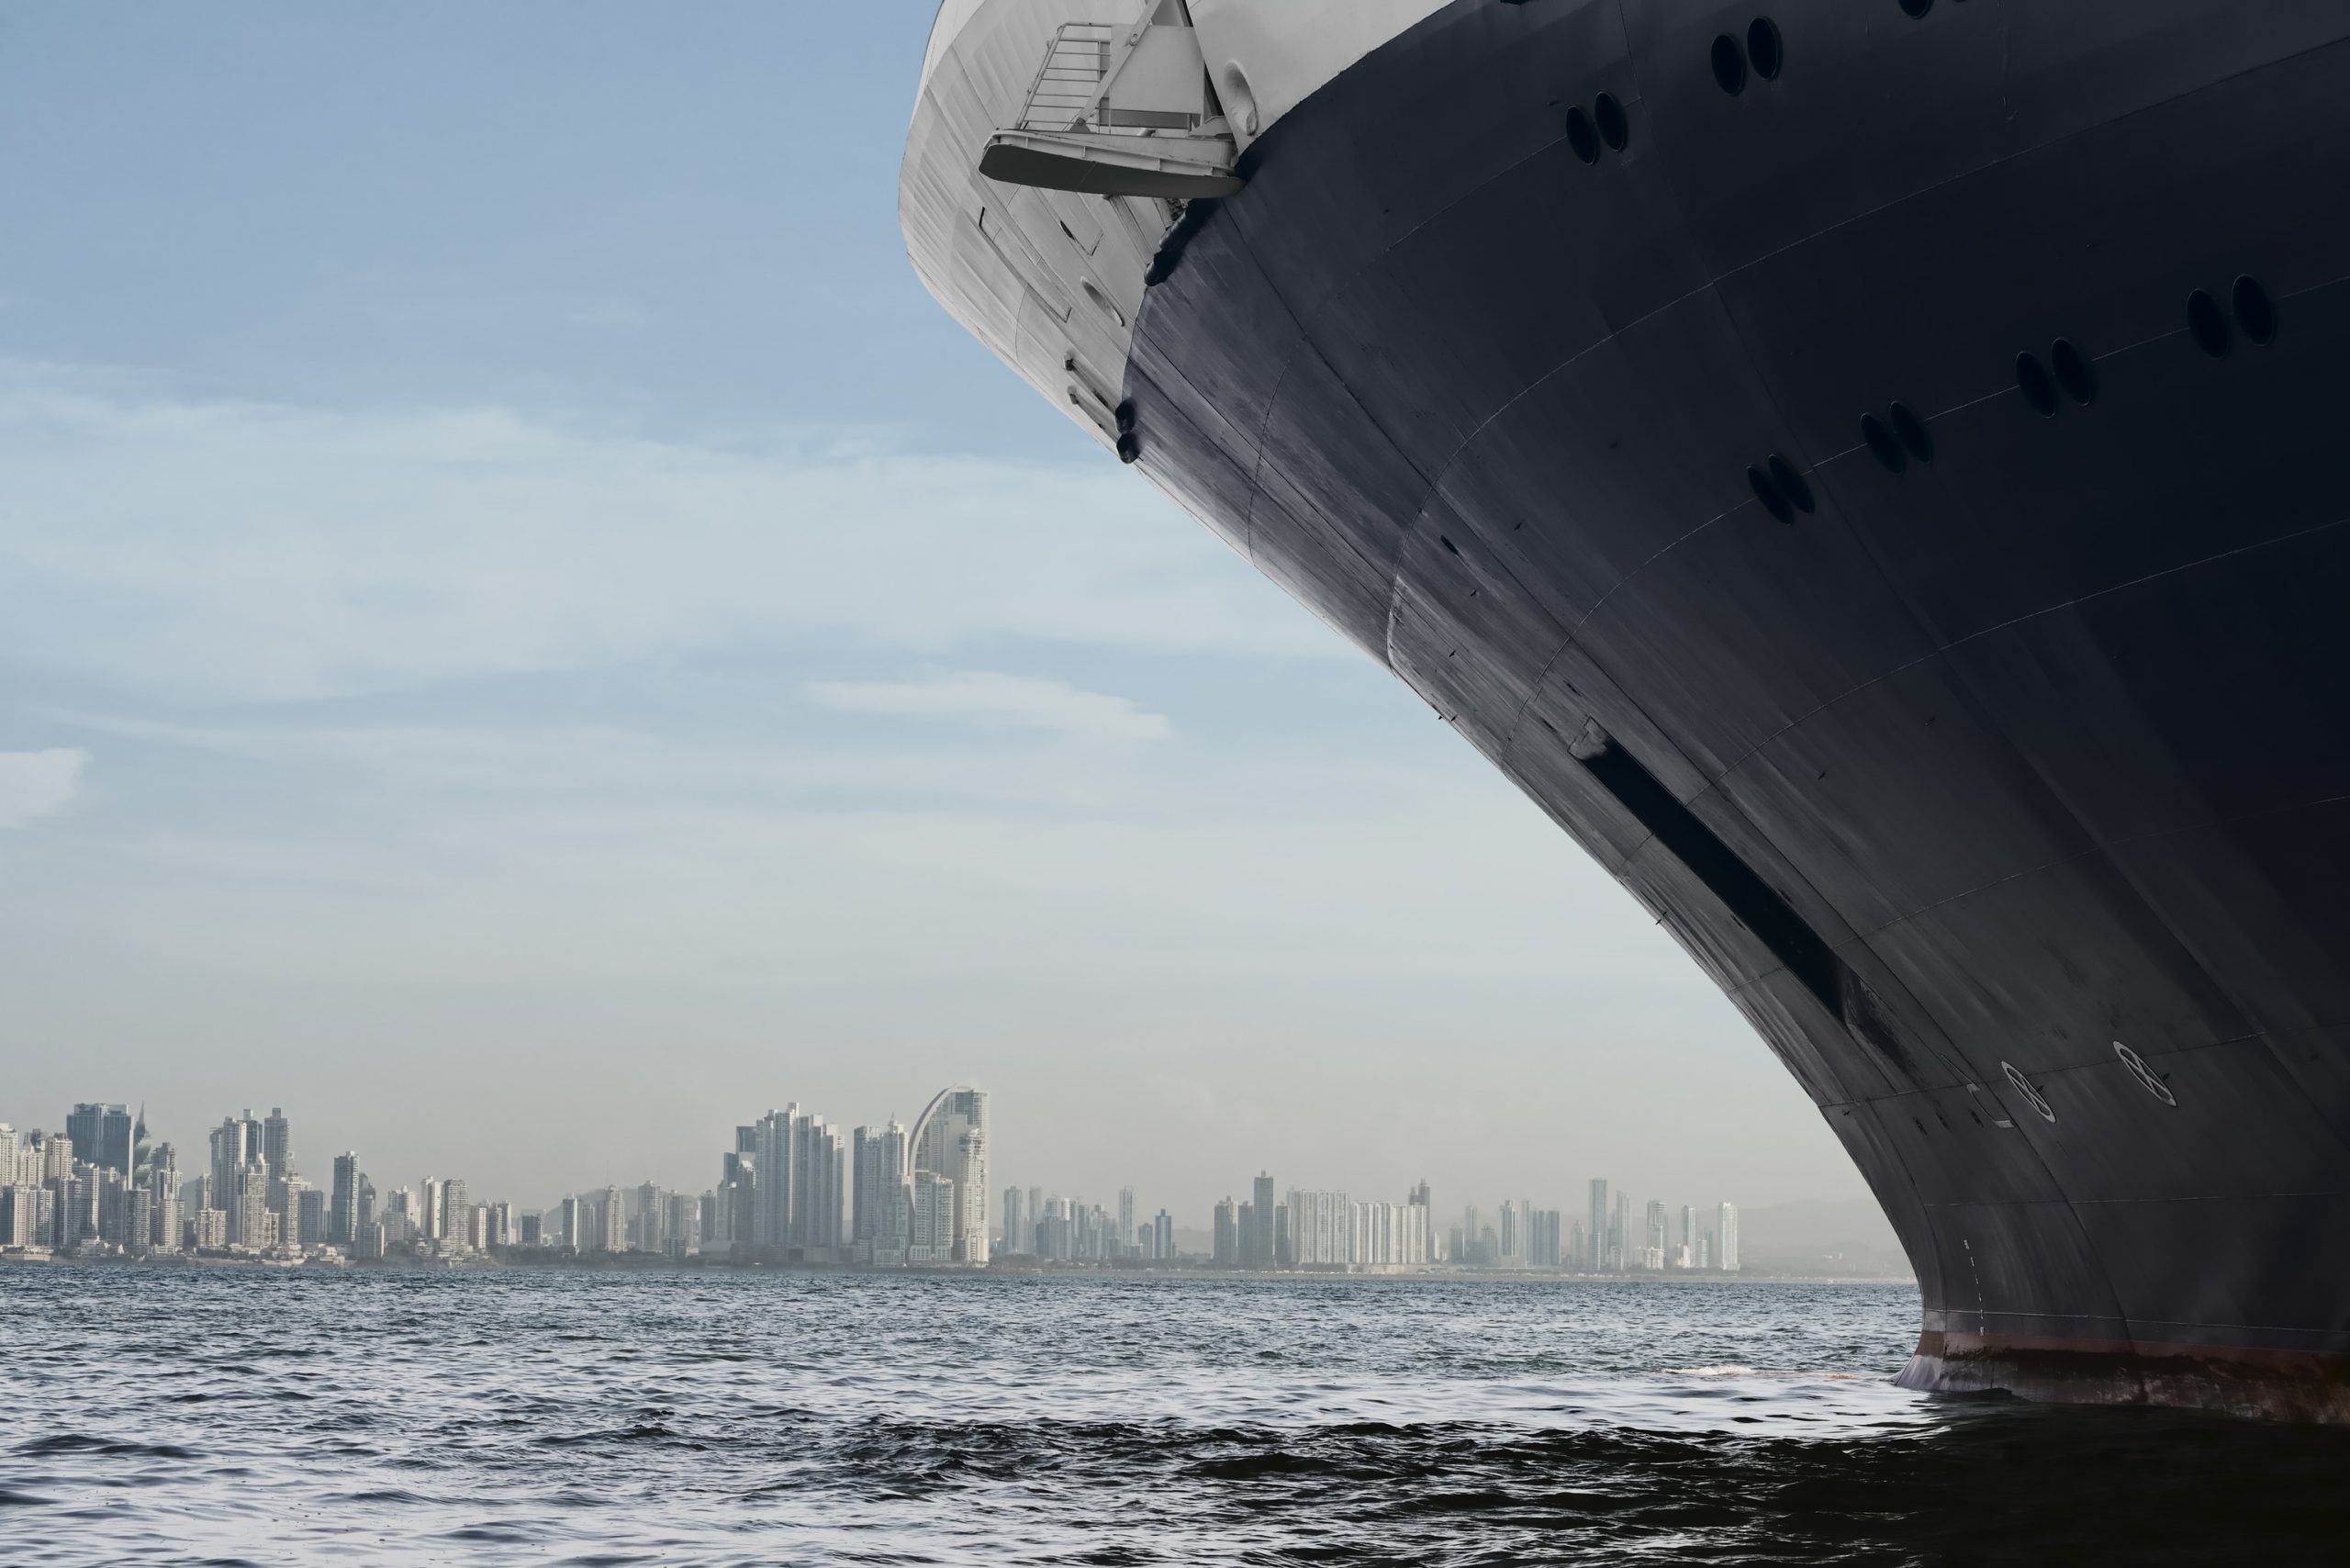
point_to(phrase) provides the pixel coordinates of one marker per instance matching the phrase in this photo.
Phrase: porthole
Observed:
(1129, 447)
(2038, 391)
(1791, 483)
(2148, 1079)
(2255, 313)
(2024, 1087)
(1881, 444)
(1762, 47)
(1912, 432)
(1729, 66)
(1768, 494)
(1101, 300)
(1614, 129)
(2207, 324)
(2073, 372)
(1916, 8)
(1580, 136)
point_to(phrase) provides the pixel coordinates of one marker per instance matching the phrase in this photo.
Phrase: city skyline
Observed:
(468, 675)
(792, 1189)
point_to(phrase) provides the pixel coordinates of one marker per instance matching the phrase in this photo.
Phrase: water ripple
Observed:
(700, 1419)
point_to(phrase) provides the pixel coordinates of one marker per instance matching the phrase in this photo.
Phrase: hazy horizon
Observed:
(530, 640)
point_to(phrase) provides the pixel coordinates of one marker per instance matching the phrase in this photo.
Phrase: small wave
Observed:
(106, 1448)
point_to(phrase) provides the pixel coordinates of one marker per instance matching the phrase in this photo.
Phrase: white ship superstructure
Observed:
(1052, 280)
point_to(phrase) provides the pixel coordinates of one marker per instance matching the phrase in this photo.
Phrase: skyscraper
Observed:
(277, 1144)
(1225, 1251)
(734, 1205)
(934, 1209)
(881, 1213)
(950, 1140)
(236, 1143)
(457, 1214)
(101, 1135)
(1512, 1247)
(1318, 1229)
(1727, 1245)
(1162, 1237)
(1262, 1227)
(772, 1166)
(818, 1162)
(1125, 1218)
(163, 1180)
(1596, 1249)
(1653, 1248)
(1015, 1237)
(1620, 1239)
(343, 1202)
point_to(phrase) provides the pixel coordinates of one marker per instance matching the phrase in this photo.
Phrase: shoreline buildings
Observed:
(792, 1191)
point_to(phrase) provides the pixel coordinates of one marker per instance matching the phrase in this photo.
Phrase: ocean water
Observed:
(257, 1416)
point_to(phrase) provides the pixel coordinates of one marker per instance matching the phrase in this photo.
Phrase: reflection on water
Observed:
(259, 1417)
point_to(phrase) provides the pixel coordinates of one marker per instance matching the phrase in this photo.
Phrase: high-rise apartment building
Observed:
(1016, 1238)
(277, 1144)
(1596, 1249)
(1320, 1228)
(457, 1223)
(1726, 1234)
(163, 1182)
(935, 1211)
(950, 1140)
(1259, 1250)
(613, 1222)
(735, 1212)
(1162, 1237)
(310, 1217)
(1126, 1217)
(1653, 1236)
(1225, 1248)
(773, 1163)
(1544, 1248)
(881, 1198)
(343, 1202)
(236, 1146)
(101, 1135)
(815, 1204)
(1620, 1235)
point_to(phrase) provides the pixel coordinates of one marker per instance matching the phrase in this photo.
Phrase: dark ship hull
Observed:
(1991, 756)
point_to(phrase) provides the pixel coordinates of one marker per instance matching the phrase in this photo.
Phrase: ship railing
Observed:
(1081, 86)
(1069, 84)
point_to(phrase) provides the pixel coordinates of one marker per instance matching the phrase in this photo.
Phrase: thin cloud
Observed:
(992, 701)
(33, 784)
(246, 552)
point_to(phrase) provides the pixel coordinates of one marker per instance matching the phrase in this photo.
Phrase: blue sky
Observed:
(528, 638)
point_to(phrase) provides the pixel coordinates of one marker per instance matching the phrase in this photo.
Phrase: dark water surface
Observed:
(260, 1417)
